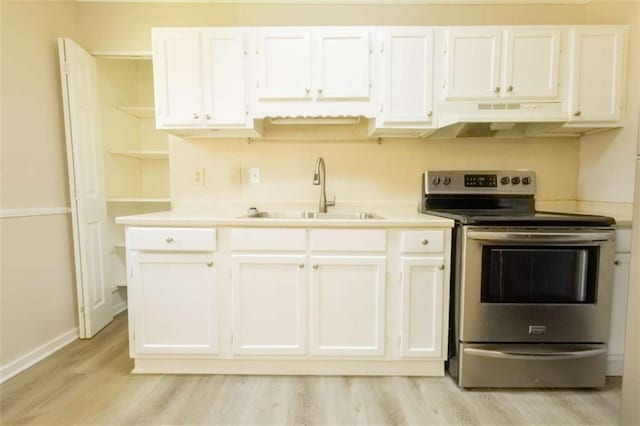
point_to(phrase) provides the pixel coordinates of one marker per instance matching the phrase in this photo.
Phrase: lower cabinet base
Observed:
(288, 367)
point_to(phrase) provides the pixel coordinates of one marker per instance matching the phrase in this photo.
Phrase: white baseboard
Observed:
(119, 307)
(38, 354)
(614, 365)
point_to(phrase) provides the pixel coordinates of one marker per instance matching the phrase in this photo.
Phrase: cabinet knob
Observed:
(441, 267)
(577, 113)
(195, 116)
(169, 239)
(319, 91)
(497, 89)
(307, 90)
(300, 265)
(315, 266)
(430, 114)
(425, 242)
(616, 262)
(510, 89)
(209, 264)
(207, 116)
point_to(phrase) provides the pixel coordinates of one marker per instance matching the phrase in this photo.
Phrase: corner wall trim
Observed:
(38, 354)
(38, 211)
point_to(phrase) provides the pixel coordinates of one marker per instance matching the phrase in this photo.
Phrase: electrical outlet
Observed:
(197, 176)
(254, 175)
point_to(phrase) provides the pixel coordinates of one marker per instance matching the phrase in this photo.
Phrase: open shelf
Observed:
(141, 154)
(137, 200)
(139, 111)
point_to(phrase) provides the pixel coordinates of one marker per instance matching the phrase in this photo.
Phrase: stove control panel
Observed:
(480, 182)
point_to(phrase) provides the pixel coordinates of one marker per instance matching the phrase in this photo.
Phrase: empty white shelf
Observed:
(139, 111)
(141, 154)
(138, 200)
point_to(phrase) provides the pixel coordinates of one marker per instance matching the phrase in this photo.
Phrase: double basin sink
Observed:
(312, 215)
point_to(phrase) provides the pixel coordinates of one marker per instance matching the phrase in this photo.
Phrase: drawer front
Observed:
(423, 242)
(348, 240)
(171, 239)
(270, 239)
(623, 241)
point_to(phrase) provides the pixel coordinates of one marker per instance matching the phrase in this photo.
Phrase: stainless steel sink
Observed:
(313, 215)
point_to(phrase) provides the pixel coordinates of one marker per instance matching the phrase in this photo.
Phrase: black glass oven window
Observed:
(539, 275)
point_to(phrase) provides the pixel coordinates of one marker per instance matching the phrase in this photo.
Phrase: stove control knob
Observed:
(515, 180)
(526, 180)
(505, 180)
(447, 180)
(436, 180)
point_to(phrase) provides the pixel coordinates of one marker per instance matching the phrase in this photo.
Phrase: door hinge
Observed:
(82, 310)
(131, 272)
(67, 68)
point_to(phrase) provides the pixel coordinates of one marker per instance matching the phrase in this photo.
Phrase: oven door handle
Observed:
(568, 237)
(549, 356)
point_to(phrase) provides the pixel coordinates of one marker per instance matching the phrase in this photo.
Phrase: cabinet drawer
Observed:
(623, 241)
(423, 241)
(171, 239)
(257, 239)
(348, 240)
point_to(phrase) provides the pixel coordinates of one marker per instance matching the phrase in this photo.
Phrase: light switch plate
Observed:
(254, 175)
(197, 176)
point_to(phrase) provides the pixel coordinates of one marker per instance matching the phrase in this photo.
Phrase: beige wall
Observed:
(108, 27)
(37, 295)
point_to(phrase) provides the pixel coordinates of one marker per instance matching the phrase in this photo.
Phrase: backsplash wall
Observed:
(359, 171)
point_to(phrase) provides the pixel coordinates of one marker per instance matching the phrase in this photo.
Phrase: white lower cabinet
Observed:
(175, 306)
(268, 304)
(422, 307)
(347, 305)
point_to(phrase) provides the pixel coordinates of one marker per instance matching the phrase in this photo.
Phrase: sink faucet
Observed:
(319, 177)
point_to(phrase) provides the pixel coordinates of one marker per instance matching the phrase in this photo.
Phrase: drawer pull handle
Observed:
(616, 262)
(315, 266)
(209, 264)
(425, 242)
(169, 239)
(441, 267)
(300, 265)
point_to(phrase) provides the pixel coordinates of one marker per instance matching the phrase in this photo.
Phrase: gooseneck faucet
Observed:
(319, 177)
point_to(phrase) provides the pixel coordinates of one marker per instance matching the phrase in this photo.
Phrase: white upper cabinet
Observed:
(177, 77)
(473, 63)
(284, 64)
(513, 63)
(342, 64)
(224, 68)
(200, 78)
(531, 63)
(597, 74)
(407, 76)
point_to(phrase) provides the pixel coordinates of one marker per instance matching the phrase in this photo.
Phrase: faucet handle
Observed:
(331, 203)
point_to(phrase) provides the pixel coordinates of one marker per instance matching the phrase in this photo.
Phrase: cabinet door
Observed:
(284, 65)
(342, 65)
(422, 306)
(408, 74)
(473, 64)
(268, 304)
(531, 63)
(347, 305)
(177, 77)
(597, 74)
(174, 303)
(619, 297)
(225, 78)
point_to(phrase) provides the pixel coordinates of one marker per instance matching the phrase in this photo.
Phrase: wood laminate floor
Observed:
(88, 383)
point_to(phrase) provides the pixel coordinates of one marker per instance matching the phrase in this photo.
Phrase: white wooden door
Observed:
(342, 64)
(422, 305)
(597, 74)
(86, 186)
(225, 76)
(408, 75)
(284, 65)
(473, 64)
(347, 305)
(621, 274)
(175, 303)
(177, 77)
(269, 301)
(531, 63)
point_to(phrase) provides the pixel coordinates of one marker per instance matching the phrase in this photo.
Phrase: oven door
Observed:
(536, 285)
